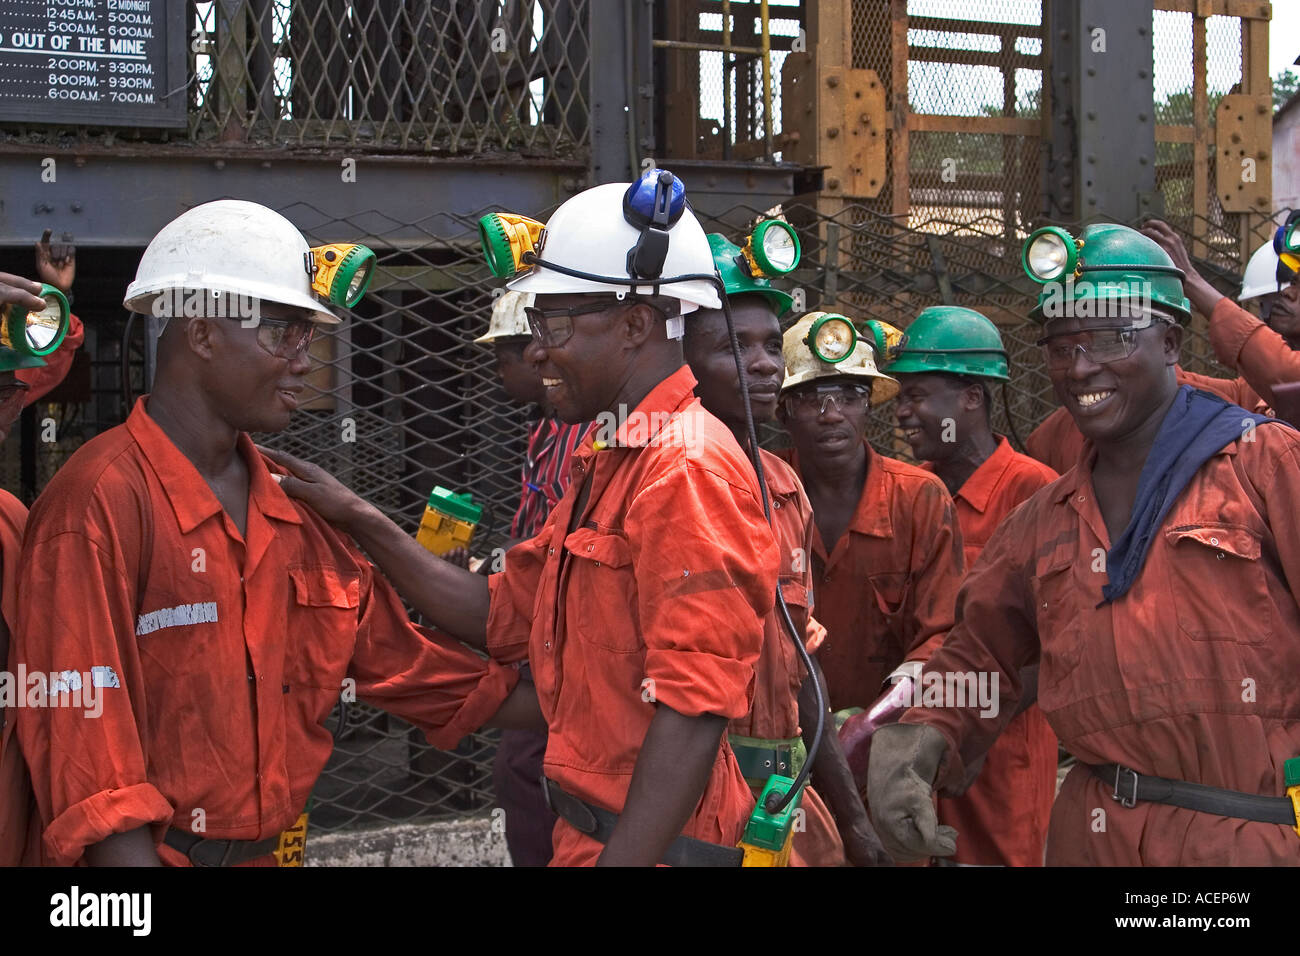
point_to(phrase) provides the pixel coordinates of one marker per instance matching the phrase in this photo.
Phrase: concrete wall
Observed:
(472, 841)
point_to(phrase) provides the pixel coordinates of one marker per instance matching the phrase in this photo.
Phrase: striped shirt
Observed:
(545, 475)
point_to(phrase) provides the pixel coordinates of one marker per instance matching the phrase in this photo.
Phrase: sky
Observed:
(1284, 37)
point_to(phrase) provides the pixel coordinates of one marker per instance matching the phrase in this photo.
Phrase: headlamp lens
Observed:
(832, 338)
(775, 247)
(1047, 256)
(38, 332)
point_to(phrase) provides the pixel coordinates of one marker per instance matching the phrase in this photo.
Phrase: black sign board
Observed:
(93, 62)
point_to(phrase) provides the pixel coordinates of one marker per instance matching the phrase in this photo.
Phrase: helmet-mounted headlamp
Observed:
(888, 340)
(39, 332)
(1050, 254)
(507, 239)
(772, 249)
(832, 338)
(340, 272)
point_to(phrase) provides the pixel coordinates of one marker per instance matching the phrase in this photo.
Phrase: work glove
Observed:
(900, 778)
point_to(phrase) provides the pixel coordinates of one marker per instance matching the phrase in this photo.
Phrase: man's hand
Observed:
(24, 293)
(862, 846)
(904, 761)
(324, 493)
(1202, 295)
(56, 264)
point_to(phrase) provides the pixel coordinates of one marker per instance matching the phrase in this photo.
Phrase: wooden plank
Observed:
(1244, 129)
(1246, 9)
(1256, 81)
(1002, 125)
(901, 200)
(1200, 140)
(681, 99)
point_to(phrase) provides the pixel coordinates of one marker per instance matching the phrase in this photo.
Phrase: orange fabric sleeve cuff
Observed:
(695, 683)
(102, 814)
(508, 624)
(477, 709)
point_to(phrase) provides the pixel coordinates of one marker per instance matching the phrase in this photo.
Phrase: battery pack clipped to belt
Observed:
(289, 848)
(767, 837)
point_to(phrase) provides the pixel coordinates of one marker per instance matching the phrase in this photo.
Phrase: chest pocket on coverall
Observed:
(322, 624)
(890, 592)
(1221, 589)
(1060, 632)
(606, 612)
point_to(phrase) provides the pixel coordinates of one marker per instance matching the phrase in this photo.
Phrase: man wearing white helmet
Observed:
(206, 622)
(1264, 352)
(552, 443)
(640, 604)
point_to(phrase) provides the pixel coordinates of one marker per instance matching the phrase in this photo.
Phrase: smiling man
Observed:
(945, 367)
(640, 604)
(218, 620)
(1152, 584)
(886, 554)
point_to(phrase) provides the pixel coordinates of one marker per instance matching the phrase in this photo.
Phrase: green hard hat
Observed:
(727, 258)
(953, 340)
(1106, 265)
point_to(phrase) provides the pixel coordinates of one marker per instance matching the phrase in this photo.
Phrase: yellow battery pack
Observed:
(449, 521)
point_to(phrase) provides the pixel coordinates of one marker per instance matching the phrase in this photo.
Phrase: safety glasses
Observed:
(285, 339)
(551, 328)
(813, 402)
(1099, 346)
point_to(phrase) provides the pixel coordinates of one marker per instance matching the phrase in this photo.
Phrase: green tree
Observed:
(1285, 85)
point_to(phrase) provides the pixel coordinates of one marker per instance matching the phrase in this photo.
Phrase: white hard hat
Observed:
(590, 234)
(1261, 274)
(508, 319)
(229, 246)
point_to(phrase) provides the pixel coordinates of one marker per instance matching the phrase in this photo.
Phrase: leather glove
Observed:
(900, 778)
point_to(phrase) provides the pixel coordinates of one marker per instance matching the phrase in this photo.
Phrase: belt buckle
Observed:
(1129, 802)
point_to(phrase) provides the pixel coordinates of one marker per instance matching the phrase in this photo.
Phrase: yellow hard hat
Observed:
(508, 319)
(827, 345)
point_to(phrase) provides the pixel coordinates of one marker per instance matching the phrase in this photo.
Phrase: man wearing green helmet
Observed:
(944, 367)
(782, 718)
(1152, 584)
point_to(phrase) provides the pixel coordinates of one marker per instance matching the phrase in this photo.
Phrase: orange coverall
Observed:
(885, 592)
(1189, 676)
(780, 672)
(655, 593)
(1002, 819)
(216, 656)
(20, 832)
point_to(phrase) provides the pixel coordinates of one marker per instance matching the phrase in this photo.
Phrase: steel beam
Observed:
(123, 199)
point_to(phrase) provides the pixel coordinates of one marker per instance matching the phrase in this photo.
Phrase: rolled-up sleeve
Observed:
(424, 676)
(706, 564)
(87, 761)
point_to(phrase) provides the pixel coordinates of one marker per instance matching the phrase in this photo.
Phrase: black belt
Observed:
(1129, 786)
(203, 852)
(598, 824)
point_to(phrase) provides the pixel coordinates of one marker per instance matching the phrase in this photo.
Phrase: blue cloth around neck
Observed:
(1198, 426)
